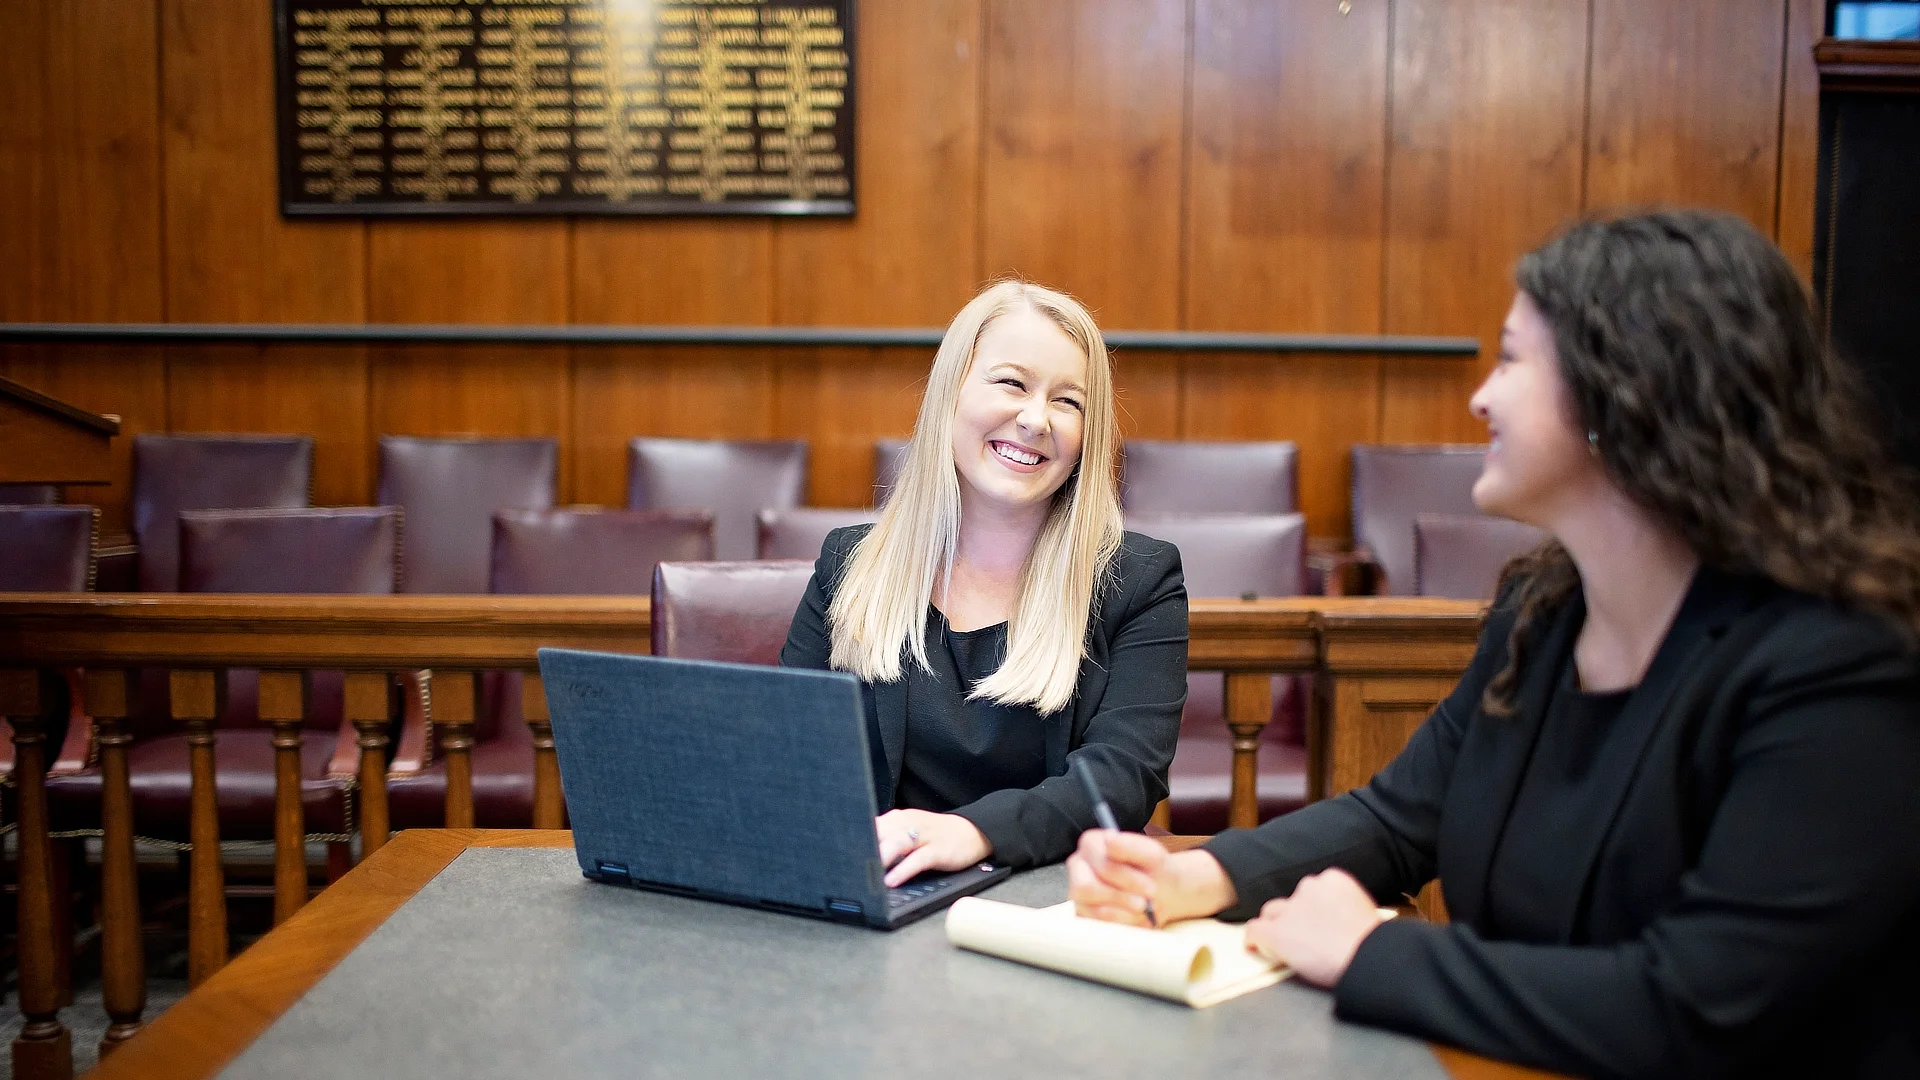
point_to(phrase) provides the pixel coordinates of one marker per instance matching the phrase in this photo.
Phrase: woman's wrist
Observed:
(1200, 887)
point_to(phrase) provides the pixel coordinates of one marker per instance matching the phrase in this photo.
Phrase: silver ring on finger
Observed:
(913, 835)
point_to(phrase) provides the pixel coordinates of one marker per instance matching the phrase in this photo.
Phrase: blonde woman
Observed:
(1002, 622)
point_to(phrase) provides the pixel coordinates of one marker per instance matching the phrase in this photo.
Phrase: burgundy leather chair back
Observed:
(449, 489)
(48, 548)
(889, 457)
(172, 473)
(800, 532)
(29, 494)
(346, 549)
(593, 552)
(1393, 484)
(1210, 477)
(1234, 554)
(736, 479)
(354, 549)
(1461, 555)
(733, 611)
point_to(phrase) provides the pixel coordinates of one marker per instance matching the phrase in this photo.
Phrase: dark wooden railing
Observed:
(1378, 662)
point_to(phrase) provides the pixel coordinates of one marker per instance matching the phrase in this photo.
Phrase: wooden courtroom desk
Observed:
(221, 1019)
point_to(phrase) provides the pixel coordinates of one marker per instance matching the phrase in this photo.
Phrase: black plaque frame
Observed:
(296, 202)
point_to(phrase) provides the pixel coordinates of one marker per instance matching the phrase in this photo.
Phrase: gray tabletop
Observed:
(510, 964)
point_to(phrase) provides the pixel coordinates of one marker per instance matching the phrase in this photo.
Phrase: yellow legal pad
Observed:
(1199, 962)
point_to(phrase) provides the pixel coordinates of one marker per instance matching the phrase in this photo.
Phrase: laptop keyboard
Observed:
(907, 894)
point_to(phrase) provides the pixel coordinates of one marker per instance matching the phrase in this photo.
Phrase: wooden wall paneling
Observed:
(692, 271)
(470, 271)
(691, 391)
(317, 390)
(1685, 107)
(129, 381)
(841, 401)
(1800, 134)
(909, 256)
(1148, 388)
(1323, 402)
(79, 161)
(1486, 144)
(231, 256)
(1084, 120)
(1288, 157)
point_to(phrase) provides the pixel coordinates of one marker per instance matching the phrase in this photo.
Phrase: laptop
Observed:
(733, 782)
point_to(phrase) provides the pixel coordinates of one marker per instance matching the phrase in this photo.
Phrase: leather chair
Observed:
(347, 550)
(732, 611)
(47, 548)
(1235, 555)
(1394, 484)
(735, 479)
(799, 533)
(544, 552)
(172, 473)
(449, 489)
(1210, 477)
(889, 457)
(579, 552)
(1461, 555)
(29, 494)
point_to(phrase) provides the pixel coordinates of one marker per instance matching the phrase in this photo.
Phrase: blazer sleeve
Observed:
(1385, 833)
(1800, 876)
(1129, 740)
(809, 642)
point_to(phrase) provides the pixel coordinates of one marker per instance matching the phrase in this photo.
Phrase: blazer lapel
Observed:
(1491, 763)
(1711, 601)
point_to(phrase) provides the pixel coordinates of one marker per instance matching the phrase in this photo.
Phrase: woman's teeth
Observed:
(1017, 455)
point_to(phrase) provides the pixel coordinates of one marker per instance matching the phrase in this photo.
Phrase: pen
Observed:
(1103, 814)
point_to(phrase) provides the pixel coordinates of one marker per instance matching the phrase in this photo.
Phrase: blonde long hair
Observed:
(879, 607)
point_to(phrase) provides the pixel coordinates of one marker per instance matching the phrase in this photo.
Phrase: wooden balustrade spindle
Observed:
(454, 694)
(368, 705)
(198, 697)
(283, 706)
(112, 698)
(549, 811)
(1249, 705)
(44, 1048)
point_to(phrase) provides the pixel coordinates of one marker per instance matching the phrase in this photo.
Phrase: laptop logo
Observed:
(580, 691)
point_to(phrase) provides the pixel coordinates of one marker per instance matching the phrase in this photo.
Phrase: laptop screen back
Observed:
(727, 779)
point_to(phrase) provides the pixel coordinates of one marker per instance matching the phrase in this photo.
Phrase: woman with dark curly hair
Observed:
(1674, 803)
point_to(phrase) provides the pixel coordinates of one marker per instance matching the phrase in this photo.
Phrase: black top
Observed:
(1572, 740)
(960, 750)
(1733, 887)
(1123, 720)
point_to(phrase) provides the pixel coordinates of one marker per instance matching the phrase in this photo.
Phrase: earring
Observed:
(1593, 442)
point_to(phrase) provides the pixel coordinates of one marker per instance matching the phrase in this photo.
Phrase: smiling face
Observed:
(1539, 460)
(1017, 423)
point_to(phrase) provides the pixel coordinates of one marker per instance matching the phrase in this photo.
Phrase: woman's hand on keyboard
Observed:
(913, 841)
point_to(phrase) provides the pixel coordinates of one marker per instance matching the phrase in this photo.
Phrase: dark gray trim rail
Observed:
(576, 334)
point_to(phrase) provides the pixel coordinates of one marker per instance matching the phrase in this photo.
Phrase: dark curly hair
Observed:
(1689, 350)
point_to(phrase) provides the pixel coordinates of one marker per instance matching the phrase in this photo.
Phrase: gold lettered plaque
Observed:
(565, 106)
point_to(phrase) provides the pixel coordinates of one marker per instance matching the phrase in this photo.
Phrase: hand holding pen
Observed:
(1103, 814)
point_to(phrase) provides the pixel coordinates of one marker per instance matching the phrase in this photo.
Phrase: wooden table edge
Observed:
(218, 1020)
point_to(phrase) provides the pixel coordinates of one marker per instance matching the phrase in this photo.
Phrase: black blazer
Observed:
(1123, 721)
(1746, 899)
